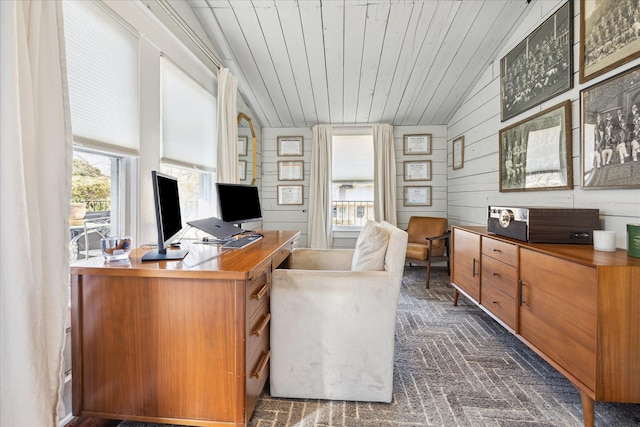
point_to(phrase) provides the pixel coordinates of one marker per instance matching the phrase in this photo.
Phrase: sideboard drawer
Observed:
(499, 250)
(499, 275)
(500, 304)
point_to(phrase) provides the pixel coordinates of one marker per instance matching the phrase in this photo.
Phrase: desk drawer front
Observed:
(258, 291)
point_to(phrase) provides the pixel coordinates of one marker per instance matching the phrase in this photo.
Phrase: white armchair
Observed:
(332, 328)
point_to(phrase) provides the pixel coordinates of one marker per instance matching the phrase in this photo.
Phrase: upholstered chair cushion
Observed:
(371, 248)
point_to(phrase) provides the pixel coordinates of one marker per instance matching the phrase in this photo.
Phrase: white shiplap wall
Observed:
(277, 217)
(475, 186)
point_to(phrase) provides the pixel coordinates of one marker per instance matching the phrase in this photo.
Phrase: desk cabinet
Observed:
(179, 342)
(574, 306)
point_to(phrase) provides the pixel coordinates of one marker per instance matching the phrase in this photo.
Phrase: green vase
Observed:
(633, 231)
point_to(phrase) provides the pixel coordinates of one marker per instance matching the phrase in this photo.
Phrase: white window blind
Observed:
(102, 64)
(188, 120)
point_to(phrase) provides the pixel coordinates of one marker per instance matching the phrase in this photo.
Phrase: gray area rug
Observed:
(454, 366)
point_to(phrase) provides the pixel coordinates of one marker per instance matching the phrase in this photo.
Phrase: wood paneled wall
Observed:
(475, 186)
(296, 217)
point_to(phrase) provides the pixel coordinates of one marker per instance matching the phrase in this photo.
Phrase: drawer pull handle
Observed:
(496, 274)
(260, 329)
(520, 293)
(474, 268)
(497, 250)
(495, 302)
(263, 290)
(262, 366)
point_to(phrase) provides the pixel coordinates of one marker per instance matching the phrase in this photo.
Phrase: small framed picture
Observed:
(290, 145)
(243, 142)
(458, 152)
(290, 195)
(418, 195)
(417, 170)
(242, 169)
(417, 144)
(291, 170)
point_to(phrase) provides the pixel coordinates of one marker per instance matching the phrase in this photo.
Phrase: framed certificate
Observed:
(458, 152)
(417, 170)
(290, 194)
(417, 144)
(243, 142)
(290, 145)
(418, 195)
(242, 169)
(291, 170)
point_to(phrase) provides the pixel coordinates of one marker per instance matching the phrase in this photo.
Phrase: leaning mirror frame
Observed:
(242, 116)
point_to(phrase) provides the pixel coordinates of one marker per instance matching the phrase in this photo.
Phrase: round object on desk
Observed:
(115, 248)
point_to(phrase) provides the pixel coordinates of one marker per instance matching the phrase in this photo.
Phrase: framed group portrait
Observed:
(540, 67)
(535, 153)
(611, 132)
(609, 35)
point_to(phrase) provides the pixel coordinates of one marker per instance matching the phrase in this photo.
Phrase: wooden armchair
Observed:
(428, 242)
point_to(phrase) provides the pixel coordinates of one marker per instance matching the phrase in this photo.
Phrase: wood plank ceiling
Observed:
(404, 62)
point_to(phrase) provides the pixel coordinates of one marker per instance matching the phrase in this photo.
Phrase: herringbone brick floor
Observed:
(454, 366)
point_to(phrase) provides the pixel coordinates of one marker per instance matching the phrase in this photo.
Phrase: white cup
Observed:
(604, 240)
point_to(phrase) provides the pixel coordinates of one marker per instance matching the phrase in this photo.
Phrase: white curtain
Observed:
(227, 128)
(384, 174)
(35, 172)
(320, 218)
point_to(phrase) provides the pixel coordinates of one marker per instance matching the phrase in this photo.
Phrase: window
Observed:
(352, 180)
(196, 192)
(96, 201)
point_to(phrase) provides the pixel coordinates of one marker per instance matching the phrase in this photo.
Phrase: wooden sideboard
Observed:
(578, 308)
(179, 342)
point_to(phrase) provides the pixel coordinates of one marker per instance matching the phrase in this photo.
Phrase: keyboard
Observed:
(242, 242)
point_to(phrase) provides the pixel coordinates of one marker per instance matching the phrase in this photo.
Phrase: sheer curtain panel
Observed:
(227, 128)
(384, 174)
(35, 182)
(320, 210)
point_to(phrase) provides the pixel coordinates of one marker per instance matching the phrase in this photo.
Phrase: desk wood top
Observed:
(202, 261)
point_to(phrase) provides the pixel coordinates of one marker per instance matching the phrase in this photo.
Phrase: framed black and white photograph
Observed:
(458, 153)
(611, 132)
(243, 143)
(291, 170)
(242, 169)
(419, 170)
(540, 67)
(417, 195)
(290, 195)
(609, 35)
(290, 145)
(535, 153)
(417, 144)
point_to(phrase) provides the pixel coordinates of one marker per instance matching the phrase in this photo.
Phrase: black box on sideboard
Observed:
(544, 225)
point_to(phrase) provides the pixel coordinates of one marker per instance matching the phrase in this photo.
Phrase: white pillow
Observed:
(371, 248)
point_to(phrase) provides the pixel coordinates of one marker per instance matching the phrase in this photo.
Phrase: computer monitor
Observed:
(168, 218)
(239, 203)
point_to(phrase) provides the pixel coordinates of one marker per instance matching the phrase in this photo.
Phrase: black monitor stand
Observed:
(165, 255)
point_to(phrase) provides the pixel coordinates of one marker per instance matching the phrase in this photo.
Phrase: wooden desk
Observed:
(180, 342)
(574, 306)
